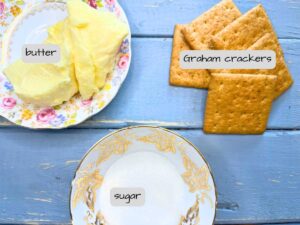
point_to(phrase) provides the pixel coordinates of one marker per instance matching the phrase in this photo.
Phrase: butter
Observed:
(60, 34)
(84, 66)
(46, 84)
(97, 36)
(89, 41)
(41, 84)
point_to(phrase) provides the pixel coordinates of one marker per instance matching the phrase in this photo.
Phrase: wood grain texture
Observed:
(257, 177)
(147, 98)
(157, 17)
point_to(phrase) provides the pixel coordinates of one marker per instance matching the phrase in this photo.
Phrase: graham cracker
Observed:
(239, 103)
(199, 33)
(182, 77)
(284, 79)
(244, 31)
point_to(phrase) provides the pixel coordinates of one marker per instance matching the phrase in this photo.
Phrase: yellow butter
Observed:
(98, 36)
(60, 34)
(84, 66)
(89, 41)
(46, 84)
(41, 84)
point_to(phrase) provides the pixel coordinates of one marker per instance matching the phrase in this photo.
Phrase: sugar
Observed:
(165, 191)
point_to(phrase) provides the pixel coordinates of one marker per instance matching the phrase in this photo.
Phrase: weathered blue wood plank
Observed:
(258, 177)
(157, 17)
(147, 97)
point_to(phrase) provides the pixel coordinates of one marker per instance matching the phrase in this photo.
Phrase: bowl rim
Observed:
(143, 126)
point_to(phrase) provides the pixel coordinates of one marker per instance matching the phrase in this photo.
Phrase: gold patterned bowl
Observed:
(178, 187)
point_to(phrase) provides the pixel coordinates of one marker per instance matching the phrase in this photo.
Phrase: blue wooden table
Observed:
(257, 177)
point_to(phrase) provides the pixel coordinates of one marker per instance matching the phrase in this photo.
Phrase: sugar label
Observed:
(127, 196)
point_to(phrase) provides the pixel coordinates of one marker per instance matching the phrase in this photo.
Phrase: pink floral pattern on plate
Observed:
(8, 103)
(76, 110)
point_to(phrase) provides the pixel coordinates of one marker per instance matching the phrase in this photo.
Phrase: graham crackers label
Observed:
(227, 59)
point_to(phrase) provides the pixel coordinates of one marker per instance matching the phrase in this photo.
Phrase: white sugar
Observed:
(165, 191)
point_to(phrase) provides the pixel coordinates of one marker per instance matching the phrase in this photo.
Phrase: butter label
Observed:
(127, 196)
(41, 53)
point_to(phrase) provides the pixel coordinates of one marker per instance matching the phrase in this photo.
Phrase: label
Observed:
(227, 59)
(127, 196)
(41, 53)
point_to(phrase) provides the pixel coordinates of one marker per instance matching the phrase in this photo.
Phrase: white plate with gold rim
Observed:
(178, 186)
(27, 24)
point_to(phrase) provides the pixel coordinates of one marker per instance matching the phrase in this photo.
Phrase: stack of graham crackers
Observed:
(239, 101)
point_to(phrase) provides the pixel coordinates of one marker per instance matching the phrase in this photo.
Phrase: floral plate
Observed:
(26, 22)
(179, 187)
